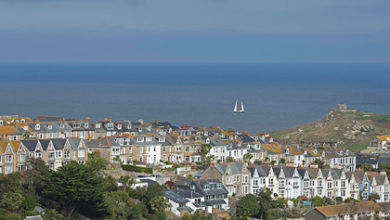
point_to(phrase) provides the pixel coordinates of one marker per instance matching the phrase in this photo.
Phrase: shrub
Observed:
(137, 169)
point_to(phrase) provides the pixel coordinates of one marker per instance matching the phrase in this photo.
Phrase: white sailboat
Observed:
(237, 108)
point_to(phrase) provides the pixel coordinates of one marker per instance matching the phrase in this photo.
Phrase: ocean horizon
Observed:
(276, 96)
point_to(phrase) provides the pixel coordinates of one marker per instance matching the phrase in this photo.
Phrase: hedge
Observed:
(137, 169)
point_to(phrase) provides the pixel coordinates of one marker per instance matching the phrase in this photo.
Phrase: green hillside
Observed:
(354, 130)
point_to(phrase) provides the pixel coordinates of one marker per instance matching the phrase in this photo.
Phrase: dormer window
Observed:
(86, 125)
(119, 126)
(1, 122)
(207, 141)
(97, 125)
(37, 127)
(161, 139)
(77, 125)
(140, 139)
(62, 125)
(49, 126)
(110, 125)
(22, 121)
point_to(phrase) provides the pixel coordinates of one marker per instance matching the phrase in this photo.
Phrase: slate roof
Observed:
(245, 138)
(74, 142)
(30, 144)
(102, 142)
(172, 195)
(58, 144)
(234, 167)
(44, 144)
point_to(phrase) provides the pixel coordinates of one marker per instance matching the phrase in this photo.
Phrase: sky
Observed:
(147, 31)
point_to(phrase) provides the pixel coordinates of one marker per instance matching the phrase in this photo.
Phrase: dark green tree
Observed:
(95, 162)
(373, 197)
(76, 187)
(264, 199)
(320, 163)
(247, 157)
(247, 206)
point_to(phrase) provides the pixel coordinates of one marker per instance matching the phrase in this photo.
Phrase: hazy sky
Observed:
(46, 31)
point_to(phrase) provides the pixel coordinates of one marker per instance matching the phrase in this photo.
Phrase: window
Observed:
(306, 184)
(1, 159)
(320, 192)
(281, 183)
(67, 155)
(343, 183)
(58, 164)
(21, 158)
(115, 150)
(81, 153)
(245, 189)
(245, 179)
(329, 185)
(51, 165)
(8, 158)
(342, 192)
(319, 183)
(271, 181)
(58, 154)
(141, 149)
(255, 182)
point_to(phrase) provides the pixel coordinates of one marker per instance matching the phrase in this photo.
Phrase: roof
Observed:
(348, 208)
(30, 144)
(234, 167)
(172, 195)
(384, 137)
(7, 130)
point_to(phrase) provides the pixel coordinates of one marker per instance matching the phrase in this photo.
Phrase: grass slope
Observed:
(354, 130)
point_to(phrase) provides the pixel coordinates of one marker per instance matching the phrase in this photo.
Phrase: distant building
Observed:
(344, 108)
(346, 211)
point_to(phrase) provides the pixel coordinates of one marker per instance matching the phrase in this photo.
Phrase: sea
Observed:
(276, 96)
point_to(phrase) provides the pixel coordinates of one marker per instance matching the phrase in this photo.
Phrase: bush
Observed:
(137, 169)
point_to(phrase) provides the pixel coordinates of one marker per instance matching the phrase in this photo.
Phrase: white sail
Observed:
(242, 107)
(236, 108)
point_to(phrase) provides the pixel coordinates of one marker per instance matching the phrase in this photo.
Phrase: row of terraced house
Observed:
(292, 182)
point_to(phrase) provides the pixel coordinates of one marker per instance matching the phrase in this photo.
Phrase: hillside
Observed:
(354, 129)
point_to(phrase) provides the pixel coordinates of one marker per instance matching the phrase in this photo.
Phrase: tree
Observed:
(208, 160)
(95, 162)
(273, 162)
(247, 206)
(204, 150)
(317, 201)
(26, 135)
(76, 187)
(373, 197)
(52, 214)
(35, 173)
(119, 204)
(282, 161)
(258, 162)
(247, 157)
(158, 204)
(229, 159)
(126, 181)
(366, 167)
(265, 202)
(320, 163)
